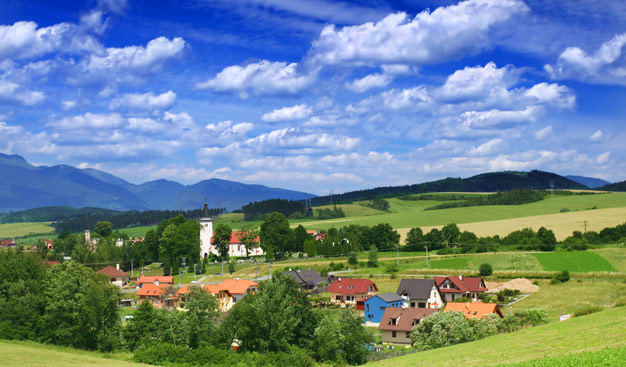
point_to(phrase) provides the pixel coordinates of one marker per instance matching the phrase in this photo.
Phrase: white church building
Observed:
(235, 249)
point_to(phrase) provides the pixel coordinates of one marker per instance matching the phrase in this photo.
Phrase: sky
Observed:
(315, 95)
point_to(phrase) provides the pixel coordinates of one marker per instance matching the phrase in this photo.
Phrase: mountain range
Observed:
(27, 186)
(590, 182)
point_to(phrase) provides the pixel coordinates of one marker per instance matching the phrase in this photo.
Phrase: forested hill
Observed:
(486, 182)
(618, 186)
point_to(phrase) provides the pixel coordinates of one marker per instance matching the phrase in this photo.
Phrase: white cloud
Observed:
(596, 136)
(491, 118)
(68, 104)
(368, 82)
(293, 138)
(11, 92)
(605, 66)
(445, 34)
(147, 101)
(89, 120)
(543, 133)
(145, 124)
(555, 94)
(297, 112)
(478, 82)
(603, 158)
(399, 69)
(228, 128)
(260, 78)
(486, 148)
(406, 98)
(183, 120)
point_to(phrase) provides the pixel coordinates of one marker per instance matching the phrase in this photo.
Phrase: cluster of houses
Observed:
(395, 314)
(7, 242)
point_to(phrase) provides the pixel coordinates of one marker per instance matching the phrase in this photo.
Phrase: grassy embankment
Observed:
(601, 330)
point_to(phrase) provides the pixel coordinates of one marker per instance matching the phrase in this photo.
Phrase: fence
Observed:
(372, 357)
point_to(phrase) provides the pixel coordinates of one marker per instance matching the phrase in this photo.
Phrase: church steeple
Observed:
(205, 211)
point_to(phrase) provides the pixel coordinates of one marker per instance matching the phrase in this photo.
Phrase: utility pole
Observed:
(397, 259)
(585, 227)
(194, 271)
(132, 274)
(427, 255)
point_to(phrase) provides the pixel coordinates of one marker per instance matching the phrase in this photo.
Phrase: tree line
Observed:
(513, 197)
(261, 209)
(72, 305)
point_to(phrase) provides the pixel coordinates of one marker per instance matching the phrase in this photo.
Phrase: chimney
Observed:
(118, 266)
(460, 277)
(339, 279)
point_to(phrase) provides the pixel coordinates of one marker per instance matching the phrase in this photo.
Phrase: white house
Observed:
(420, 293)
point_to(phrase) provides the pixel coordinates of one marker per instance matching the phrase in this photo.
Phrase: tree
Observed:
(547, 238)
(450, 234)
(441, 329)
(372, 257)
(248, 235)
(300, 236)
(272, 320)
(276, 235)
(151, 242)
(104, 228)
(354, 339)
(415, 240)
(202, 313)
(485, 270)
(384, 237)
(221, 239)
(170, 249)
(352, 259)
(81, 308)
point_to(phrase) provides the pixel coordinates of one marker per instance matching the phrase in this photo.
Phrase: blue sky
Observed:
(315, 95)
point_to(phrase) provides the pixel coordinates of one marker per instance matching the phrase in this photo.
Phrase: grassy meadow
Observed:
(10, 230)
(594, 332)
(573, 261)
(18, 354)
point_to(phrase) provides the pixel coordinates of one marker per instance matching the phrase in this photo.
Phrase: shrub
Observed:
(462, 300)
(564, 210)
(485, 270)
(441, 329)
(391, 268)
(562, 276)
(587, 310)
(487, 326)
(352, 260)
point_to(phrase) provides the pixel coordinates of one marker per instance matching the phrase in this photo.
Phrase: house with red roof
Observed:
(156, 280)
(237, 248)
(156, 294)
(350, 291)
(116, 276)
(474, 310)
(452, 288)
(8, 242)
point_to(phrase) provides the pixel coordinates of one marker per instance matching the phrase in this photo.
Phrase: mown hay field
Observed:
(10, 230)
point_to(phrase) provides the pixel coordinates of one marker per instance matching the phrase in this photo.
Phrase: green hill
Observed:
(601, 330)
(618, 186)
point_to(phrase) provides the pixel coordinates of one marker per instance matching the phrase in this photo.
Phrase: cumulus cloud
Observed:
(605, 66)
(368, 82)
(478, 83)
(296, 112)
(294, 138)
(405, 98)
(558, 95)
(89, 120)
(13, 93)
(491, 118)
(596, 136)
(228, 128)
(147, 101)
(260, 78)
(486, 148)
(603, 158)
(445, 34)
(542, 133)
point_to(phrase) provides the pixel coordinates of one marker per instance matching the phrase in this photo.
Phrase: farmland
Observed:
(601, 330)
(10, 230)
(575, 261)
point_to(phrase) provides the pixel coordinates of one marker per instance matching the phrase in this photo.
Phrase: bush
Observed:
(352, 260)
(587, 310)
(391, 268)
(562, 276)
(441, 329)
(564, 210)
(485, 270)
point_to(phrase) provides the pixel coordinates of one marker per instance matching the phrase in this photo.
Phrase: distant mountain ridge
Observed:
(25, 186)
(485, 182)
(618, 186)
(590, 182)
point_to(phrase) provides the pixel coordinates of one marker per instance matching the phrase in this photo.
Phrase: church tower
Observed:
(206, 232)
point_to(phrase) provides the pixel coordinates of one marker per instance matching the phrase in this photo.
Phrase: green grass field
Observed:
(10, 230)
(601, 330)
(574, 261)
(19, 354)
(137, 231)
(615, 256)
(609, 357)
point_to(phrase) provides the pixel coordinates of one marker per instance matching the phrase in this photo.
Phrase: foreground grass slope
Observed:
(18, 354)
(605, 329)
(609, 357)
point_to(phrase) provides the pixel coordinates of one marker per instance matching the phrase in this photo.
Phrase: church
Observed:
(235, 249)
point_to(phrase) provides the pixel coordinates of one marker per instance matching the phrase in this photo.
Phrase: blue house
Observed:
(374, 307)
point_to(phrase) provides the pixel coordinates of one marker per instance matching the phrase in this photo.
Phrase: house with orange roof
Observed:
(224, 298)
(156, 294)
(452, 288)
(350, 291)
(115, 275)
(475, 310)
(227, 292)
(238, 288)
(156, 280)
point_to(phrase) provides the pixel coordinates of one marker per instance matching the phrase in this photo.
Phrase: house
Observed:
(238, 288)
(8, 242)
(476, 310)
(375, 306)
(49, 244)
(420, 293)
(155, 294)
(397, 323)
(349, 291)
(452, 288)
(224, 298)
(116, 276)
(308, 279)
(156, 280)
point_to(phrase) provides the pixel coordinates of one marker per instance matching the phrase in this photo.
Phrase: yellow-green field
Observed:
(19, 354)
(605, 329)
(10, 230)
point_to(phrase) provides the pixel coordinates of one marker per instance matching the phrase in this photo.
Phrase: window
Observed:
(393, 334)
(412, 304)
(415, 322)
(421, 305)
(408, 335)
(368, 308)
(338, 298)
